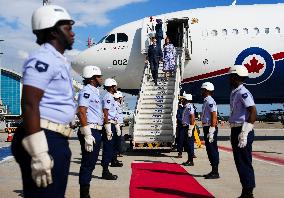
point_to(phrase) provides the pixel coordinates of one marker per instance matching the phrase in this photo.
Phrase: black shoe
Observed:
(84, 191)
(212, 176)
(247, 193)
(116, 164)
(179, 155)
(109, 176)
(194, 156)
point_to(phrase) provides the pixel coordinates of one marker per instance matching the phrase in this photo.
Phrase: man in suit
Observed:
(154, 57)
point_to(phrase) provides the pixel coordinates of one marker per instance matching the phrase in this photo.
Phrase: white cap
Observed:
(240, 70)
(110, 82)
(208, 86)
(187, 96)
(118, 94)
(90, 71)
(47, 16)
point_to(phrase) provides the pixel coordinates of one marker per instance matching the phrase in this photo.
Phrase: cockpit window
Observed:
(122, 37)
(110, 39)
(102, 40)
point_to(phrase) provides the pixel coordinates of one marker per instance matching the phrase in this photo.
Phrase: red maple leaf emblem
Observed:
(254, 66)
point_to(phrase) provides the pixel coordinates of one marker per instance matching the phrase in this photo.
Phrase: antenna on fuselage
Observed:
(45, 2)
(234, 3)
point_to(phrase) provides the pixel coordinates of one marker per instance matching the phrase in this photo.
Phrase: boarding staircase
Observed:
(154, 125)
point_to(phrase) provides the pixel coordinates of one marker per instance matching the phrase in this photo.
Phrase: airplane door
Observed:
(148, 28)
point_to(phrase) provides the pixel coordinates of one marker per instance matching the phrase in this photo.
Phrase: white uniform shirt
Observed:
(89, 97)
(119, 116)
(209, 106)
(48, 70)
(189, 110)
(240, 100)
(109, 103)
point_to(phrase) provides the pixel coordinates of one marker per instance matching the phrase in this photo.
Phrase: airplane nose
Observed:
(87, 57)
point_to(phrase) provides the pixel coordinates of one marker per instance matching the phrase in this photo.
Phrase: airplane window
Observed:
(225, 32)
(277, 30)
(110, 39)
(235, 31)
(256, 30)
(266, 30)
(121, 37)
(214, 33)
(246, 31)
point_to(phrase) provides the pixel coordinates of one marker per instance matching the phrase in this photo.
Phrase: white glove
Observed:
(108, 131)
(89, 138)
(118, 131)
(190, 129)
(210, 135)
(243, 136)
(42, 162)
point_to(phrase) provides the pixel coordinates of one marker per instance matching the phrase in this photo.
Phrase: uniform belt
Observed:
(236, 125)
(63, 129)
(112, 121)
(96, 126)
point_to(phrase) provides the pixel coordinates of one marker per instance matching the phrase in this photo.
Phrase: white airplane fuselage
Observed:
(216, 38)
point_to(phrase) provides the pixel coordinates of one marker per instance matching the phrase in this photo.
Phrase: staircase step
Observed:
(146, 126)
(160, 88)
(155, 111)
(157, 101)
(166, 83)
(155, 106)
(141, 132)
(148, 97)
(154, 116)
(153, 121)
(158, 92)
(149, 139)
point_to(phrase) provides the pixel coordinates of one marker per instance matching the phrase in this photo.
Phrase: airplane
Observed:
(213, 39)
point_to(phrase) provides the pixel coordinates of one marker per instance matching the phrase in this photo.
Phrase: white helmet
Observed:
(187, 96)
(47, 16)
(208, 86)
(90, 71)
(118, 94)
(110, 82)
(240, 70)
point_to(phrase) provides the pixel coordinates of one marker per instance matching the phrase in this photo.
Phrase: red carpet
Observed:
(164, 180)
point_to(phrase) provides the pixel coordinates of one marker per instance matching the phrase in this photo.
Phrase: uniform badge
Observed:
(245, 95)
(86, 95)
(41, 66)
(108, 101)
(210, 105)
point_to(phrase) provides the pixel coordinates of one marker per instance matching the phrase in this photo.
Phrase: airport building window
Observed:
(121, 37)
(225, 32)
(246, 31)
(256, 31)
(110, 39)
(266, 30)
(277, 30)
(235, 31)
(214, 33)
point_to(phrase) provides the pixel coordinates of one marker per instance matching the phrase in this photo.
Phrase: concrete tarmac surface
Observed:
(269, 175)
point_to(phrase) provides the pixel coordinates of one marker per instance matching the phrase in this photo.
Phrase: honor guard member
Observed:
(118, 97)
(90, 114)
(188, 121)
(109, 110)
(41, 146)
(180, 136)
(243, 116)
(210, 129)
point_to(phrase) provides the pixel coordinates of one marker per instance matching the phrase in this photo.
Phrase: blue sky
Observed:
(94, 18)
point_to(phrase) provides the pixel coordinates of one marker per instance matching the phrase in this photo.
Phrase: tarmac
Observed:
(269, 170)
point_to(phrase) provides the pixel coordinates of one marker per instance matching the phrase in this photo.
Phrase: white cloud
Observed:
(15, 18)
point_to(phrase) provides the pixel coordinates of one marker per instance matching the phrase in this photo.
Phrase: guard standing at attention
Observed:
(154, 57)
(188, 121)
(90, 115)
(243, 116)
(41, 145)
(210, 129)
(109, 110)
(180, 136)
(118, 97)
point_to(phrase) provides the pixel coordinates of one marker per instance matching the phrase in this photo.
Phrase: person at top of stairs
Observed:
(154, 57)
